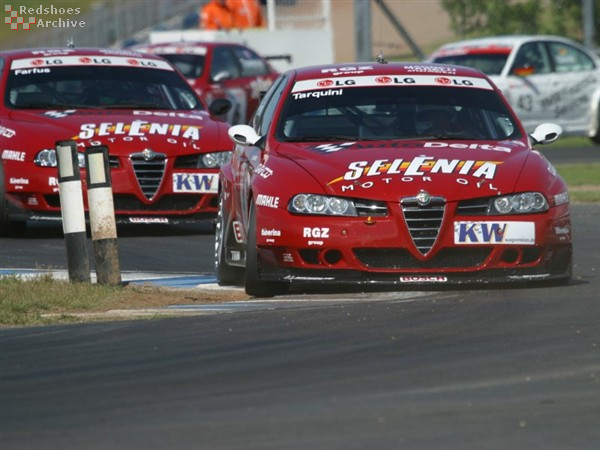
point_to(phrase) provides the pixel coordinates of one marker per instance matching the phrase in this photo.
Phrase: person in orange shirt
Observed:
(246, 13)
(215, 15)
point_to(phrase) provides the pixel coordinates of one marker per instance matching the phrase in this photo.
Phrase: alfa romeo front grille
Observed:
(423, 222)
(149, 172)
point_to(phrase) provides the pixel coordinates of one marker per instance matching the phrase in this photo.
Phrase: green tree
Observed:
(472, 18)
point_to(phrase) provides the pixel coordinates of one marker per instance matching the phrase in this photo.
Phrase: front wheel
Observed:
(226, 274)
(7, 227)
(254, 285)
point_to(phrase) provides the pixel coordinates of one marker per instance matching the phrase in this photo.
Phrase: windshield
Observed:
(191, 66)
(396, 113)
(488, 63)
(99, 87)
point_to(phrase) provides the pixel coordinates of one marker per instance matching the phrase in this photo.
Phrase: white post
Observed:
(271, 15)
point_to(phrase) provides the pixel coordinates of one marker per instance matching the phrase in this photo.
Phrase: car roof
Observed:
(499, 44)
(376, 68)
(66, 51)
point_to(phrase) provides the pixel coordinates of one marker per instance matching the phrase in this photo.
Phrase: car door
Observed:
(530, 82)
(576, 79)
(248, 160)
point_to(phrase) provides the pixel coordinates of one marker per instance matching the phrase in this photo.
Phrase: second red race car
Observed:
(221, 70)
(165, 147)
(389, 174)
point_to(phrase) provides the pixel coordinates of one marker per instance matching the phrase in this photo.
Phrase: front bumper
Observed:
(387, 251)
(552, 263)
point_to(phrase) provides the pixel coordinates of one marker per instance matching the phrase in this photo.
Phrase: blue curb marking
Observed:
(189, 281)
(183, 281)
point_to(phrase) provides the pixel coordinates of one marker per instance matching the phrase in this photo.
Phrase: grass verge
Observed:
(583, 181)
(44, 300)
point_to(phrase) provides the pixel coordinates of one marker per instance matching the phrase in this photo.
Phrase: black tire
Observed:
(7, 227)
(226, 274)
(253, 284)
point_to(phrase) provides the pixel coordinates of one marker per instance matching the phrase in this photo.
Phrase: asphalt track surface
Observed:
(514, 368)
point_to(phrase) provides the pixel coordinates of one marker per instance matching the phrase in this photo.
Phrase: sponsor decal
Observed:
(529, 277)
(267, 200)
(263, 171)
(14, 180)
(52, 51)
(270, 232)
(423, 279)
(32, 201)
(316, 232)
(350, 70)
(45, 218)
(31, 71)
(149, 220)
(178, 49)
(418, 166)
(317, 94)
(288, 258)
(496, 148)
(430, 69)
(205, 183)
(13, 155)
(119, 52)
(390, 80)
(6, 132)
(178, 115)
(329, 148)
(138, 128)
(562, 102)
(562, 230)
(59, 114)
(519, 233)
(20, 65)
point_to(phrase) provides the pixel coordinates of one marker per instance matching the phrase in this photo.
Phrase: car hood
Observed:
(171, 132)
(385, 170)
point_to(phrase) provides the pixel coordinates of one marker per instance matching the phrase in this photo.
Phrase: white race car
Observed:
(544, 78)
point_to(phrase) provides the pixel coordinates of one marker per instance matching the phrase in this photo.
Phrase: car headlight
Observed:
(47, 158)
(524, 203)
(215, 160)
(321, 205)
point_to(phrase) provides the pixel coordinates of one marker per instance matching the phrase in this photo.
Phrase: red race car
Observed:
(165, 147)
(221, 70)
(389, 174)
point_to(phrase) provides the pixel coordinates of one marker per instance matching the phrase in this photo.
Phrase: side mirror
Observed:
(220, 106)
(243, 135)
(545, 133)
(221, 76)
